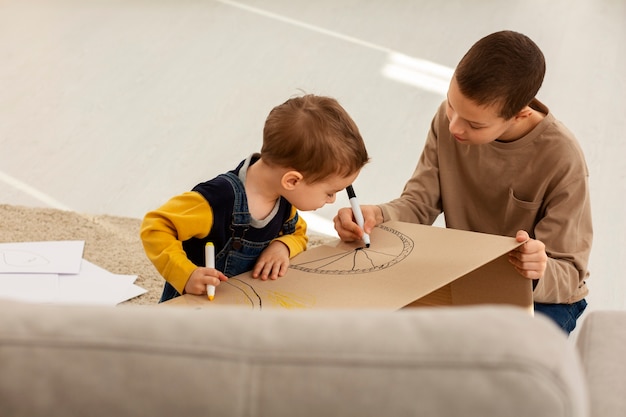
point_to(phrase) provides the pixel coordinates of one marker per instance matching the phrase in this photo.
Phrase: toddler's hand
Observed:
(273, 262)
(201, 277)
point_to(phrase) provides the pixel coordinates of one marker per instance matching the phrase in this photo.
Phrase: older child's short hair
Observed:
(505, 68)
(315, 136)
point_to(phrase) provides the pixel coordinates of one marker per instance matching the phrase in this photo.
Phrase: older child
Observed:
(311, 150)
(497, 161)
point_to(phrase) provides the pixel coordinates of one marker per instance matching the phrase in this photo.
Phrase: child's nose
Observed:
(455, 126)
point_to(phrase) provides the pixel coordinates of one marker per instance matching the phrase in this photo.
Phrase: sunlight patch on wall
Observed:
(32, 191)
(419, 73)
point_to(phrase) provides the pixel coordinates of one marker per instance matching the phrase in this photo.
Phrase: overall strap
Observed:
(240, 221)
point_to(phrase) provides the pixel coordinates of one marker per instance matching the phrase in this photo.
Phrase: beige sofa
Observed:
(175, 361)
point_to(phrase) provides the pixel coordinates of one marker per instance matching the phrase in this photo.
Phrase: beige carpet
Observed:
(110, 242)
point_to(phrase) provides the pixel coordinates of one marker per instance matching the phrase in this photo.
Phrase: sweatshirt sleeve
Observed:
(297, 241)
(567, 232)
(164, 230)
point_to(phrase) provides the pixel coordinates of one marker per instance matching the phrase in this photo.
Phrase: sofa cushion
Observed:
(164, 361)
(601, 343)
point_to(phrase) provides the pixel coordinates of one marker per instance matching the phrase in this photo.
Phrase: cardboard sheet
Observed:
(405, 263)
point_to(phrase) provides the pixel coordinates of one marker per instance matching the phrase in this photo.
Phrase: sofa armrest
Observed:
(602, 347)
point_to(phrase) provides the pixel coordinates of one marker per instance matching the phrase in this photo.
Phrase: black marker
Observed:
(358, 214)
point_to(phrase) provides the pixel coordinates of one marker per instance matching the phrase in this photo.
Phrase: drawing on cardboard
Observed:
(361, 260)
(247, 291)
(338, 260)
(246, 294)
(404, 263)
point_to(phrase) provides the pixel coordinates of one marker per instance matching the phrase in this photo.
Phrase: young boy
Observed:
(311, 150)
(497, 161)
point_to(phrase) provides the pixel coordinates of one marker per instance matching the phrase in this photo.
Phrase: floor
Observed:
(113, 106)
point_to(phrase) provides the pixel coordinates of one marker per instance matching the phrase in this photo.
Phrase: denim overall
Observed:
(238, 254)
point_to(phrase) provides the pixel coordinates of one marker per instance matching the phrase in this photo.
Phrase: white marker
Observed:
(209, 262)
(358, 214)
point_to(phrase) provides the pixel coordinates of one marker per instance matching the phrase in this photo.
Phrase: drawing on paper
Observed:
(362, 260)
(22, 258)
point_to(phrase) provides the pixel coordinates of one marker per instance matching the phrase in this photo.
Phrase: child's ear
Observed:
(291, 179)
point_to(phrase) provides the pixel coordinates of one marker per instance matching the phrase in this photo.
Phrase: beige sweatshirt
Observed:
(538, 183)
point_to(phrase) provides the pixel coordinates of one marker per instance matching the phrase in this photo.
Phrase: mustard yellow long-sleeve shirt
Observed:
(189, 215)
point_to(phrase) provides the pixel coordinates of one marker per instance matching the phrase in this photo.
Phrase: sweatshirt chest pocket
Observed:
(521, 214)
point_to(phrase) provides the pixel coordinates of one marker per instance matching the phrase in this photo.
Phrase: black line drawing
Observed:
(361, 260)
(345, 262)
(248, 291)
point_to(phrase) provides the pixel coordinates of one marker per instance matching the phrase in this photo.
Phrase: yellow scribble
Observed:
(290, 300)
